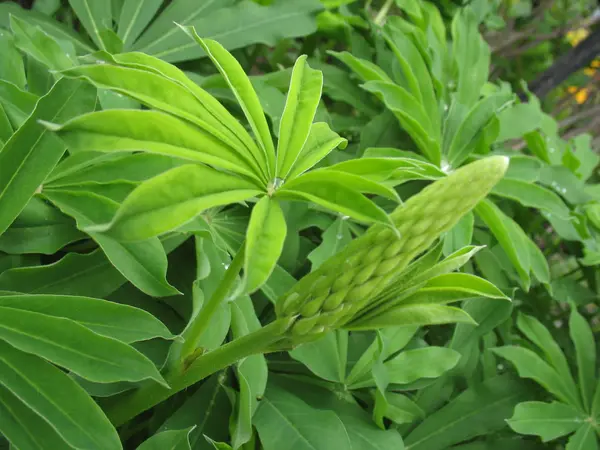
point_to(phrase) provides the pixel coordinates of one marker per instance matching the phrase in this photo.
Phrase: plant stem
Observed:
(380, 18)
(127, 406)
(193, 333)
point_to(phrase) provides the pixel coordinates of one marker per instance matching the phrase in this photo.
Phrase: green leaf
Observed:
(463, 141)
(428, 362)
(471, 56)
(539, 264)
(6, 129)
(530, 365)
(74, 347)
(174, 198)
(95, 18)
(334, 239)
(239, 25)
(415, 72)
(542, 337)
(546, 420)
(401, 409)
(565, 183)
(122, 322)
(477, 411)
(245, 94)
(412, 315)
(75, 274)
(320, 142)
(39, 228)
(285, 421)
(143, 263)
(23, 428)
(324, 356)
(524, 168)
(31, 153)
(108, 169)
(208, 409)
(519, 120)
(151, 131)
(532, 196)
(162, 31)
(18, 104)
(510, 236)
(301, 105)
(411, 115)
(584, 439)
(171, 439)
(460, 235)
(162, 86)
(264, 242)
(585, 351)
(12, 69)
(467, 283)
(50, 25)
(340, 192)
(58, 399)
(135, 16)
(33, 41)
(366, 70)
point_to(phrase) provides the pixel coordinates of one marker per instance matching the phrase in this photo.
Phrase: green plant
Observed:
(577, 408)
(191, 257)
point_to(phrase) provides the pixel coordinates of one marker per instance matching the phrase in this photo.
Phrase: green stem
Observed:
(127, 406)
(380, 18)
(193, 333)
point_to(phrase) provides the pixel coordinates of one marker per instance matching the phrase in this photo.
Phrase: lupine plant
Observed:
(350, 240)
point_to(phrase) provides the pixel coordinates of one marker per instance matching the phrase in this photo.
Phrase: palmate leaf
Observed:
(245, 94)
(33, 41)
(340, 192)
(32, 152)
(477, 411)
(320, 142)
(153, 132)
(235, 24)
(57, 398)
(296, 122)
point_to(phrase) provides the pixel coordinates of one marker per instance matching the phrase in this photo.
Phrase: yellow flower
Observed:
(576, 36)
(589, 72)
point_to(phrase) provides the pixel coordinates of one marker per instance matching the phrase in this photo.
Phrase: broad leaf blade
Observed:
(73, 346)
(546, 420)
(143, 263)
(32, 152)
(264, 242)
(121, 322)
(18, 422)
(174, 198)
(58, 399)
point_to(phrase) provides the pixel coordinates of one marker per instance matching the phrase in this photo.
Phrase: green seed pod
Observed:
(357, 274)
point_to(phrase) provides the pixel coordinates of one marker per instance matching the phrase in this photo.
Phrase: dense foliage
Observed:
(307, 224)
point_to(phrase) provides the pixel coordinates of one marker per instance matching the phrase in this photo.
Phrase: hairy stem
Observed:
(125, 407)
